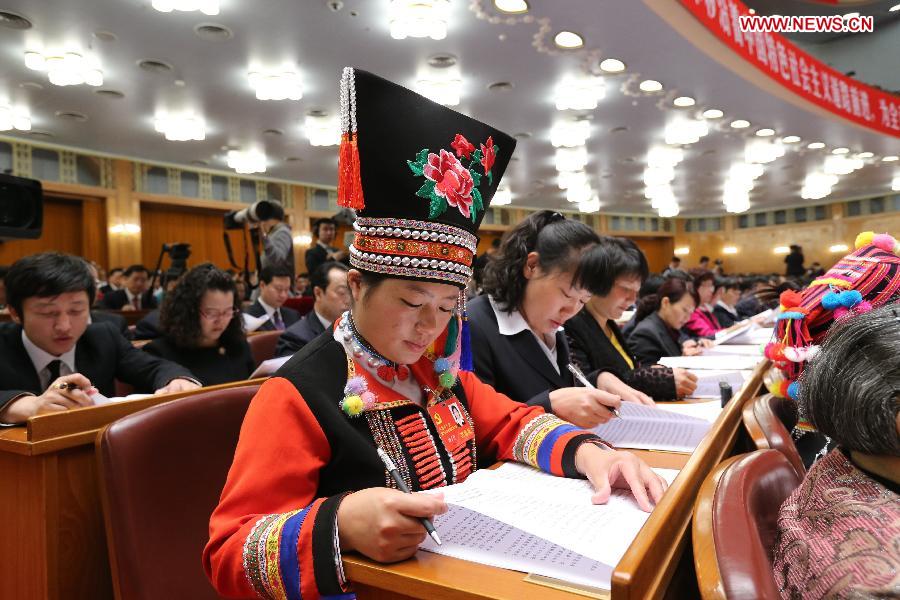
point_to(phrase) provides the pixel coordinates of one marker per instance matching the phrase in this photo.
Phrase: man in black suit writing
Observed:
(135, 295)
(53, 359)
(274, 290)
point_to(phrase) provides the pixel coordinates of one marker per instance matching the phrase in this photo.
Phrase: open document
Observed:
(727, 362)
(268, 367)
(516, 517)
(651, 428)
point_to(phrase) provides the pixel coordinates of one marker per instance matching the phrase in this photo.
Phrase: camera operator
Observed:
(278, 243)
(325, 230)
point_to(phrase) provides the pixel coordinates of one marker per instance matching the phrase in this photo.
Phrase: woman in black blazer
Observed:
(202, 328)
(597, 343)
(660, 317)
(543, 274)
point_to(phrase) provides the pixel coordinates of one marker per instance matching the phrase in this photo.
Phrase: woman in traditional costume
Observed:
(307, 483)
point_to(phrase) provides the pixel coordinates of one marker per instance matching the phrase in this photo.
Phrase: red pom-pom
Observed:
(386, 373)
(783, 387)
(402, 372)
(790, 298)
(775, 352)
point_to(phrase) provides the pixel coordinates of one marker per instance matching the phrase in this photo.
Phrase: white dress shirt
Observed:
(512, 323)
(40, 359)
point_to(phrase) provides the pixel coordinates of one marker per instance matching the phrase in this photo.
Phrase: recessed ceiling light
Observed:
(213, 32)
(612, 65)
(650, 85)
(892, 157)
(273, 132)
(865, 155)
(765, 132)
(815, 145)
(619, 129)
(31, 85)
(513, 7)
(12, 20)
(105, 36)
(713, 113)
(740, 124)
(568, 40)
(500, 86)
(841, 150)
(683, 101)
(790, 139)
(110, 94)
(155, 66)
(442, 61)
(71, 115)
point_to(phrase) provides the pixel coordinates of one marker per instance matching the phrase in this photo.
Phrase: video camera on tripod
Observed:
(263, 210)
(178, 253)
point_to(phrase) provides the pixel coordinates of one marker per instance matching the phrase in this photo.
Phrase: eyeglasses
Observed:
(215, 315)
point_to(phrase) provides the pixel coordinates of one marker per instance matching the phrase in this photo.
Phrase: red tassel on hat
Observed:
(357, 202)
(345, 179)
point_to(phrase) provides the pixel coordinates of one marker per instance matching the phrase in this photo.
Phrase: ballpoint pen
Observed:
(401, 485)
(584, 381)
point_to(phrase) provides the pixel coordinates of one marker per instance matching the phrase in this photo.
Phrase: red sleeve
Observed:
(511, 430)
(701, 325)
(270, 536)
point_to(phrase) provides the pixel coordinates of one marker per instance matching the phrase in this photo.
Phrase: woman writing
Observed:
(307, 484)
(202, 329)
(597, 343)
(659, 319)
(547, 268)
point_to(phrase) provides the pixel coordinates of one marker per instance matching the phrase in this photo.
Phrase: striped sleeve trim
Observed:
(549, 443)
(271, 561)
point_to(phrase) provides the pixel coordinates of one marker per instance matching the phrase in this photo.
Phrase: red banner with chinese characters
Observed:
(796, 70)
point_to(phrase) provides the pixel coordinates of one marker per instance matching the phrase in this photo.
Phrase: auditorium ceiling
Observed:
(156, 63)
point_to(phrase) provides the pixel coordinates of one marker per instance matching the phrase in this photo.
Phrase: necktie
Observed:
(276, 318)
(53, 368)
(136, 302)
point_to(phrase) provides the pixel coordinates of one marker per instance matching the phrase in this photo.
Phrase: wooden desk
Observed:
(655, 565)
(54, 543)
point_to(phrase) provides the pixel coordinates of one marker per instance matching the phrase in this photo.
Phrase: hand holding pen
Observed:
(63, 393)
(584, 381)
(401, 485)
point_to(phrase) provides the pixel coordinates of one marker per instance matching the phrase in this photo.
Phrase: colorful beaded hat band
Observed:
(865, 278)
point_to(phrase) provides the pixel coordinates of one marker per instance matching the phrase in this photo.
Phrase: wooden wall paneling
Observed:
(201, 227)
(63, 224)
(122, 207)
(658, 250)
(94, 231)
(23, 545)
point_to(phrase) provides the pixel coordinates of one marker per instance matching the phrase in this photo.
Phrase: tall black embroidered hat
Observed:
(420, 177)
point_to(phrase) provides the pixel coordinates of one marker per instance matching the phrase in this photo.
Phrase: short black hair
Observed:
(266, 274)
(495, 243)
(3, 271)
(675, 259)
(728, 283)
(561, 244)
(46, 275)
(322, 221)
(304, 274)
(651, 285)
(136, 269)
(113, 271)
(704, 259)
(618, 257)
(319, 277)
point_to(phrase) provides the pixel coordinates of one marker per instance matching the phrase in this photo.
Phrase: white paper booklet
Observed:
(752, 336)
(252, 323)
(99, 399)
(516, 517)
(712, 363)
(735, 349)
(267, 367)
(708, 410)
(708, 382)
(726, 335)
(651, 428)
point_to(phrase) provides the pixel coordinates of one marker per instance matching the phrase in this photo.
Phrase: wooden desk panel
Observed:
(54, 546)
(656, 564)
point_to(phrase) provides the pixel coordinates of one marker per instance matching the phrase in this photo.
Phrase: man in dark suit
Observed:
(52, 358)
(135, 295)
(323, 251)
(113, 281)
(329, 283)
(274, 290)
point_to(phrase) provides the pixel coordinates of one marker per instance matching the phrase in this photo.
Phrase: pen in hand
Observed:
(584, 381)
(401, 485)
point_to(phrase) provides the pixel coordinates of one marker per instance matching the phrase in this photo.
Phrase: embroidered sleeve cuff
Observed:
(294, 555)
(549, 443)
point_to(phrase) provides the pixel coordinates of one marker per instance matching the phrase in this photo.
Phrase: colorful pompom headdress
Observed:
(864, 279)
